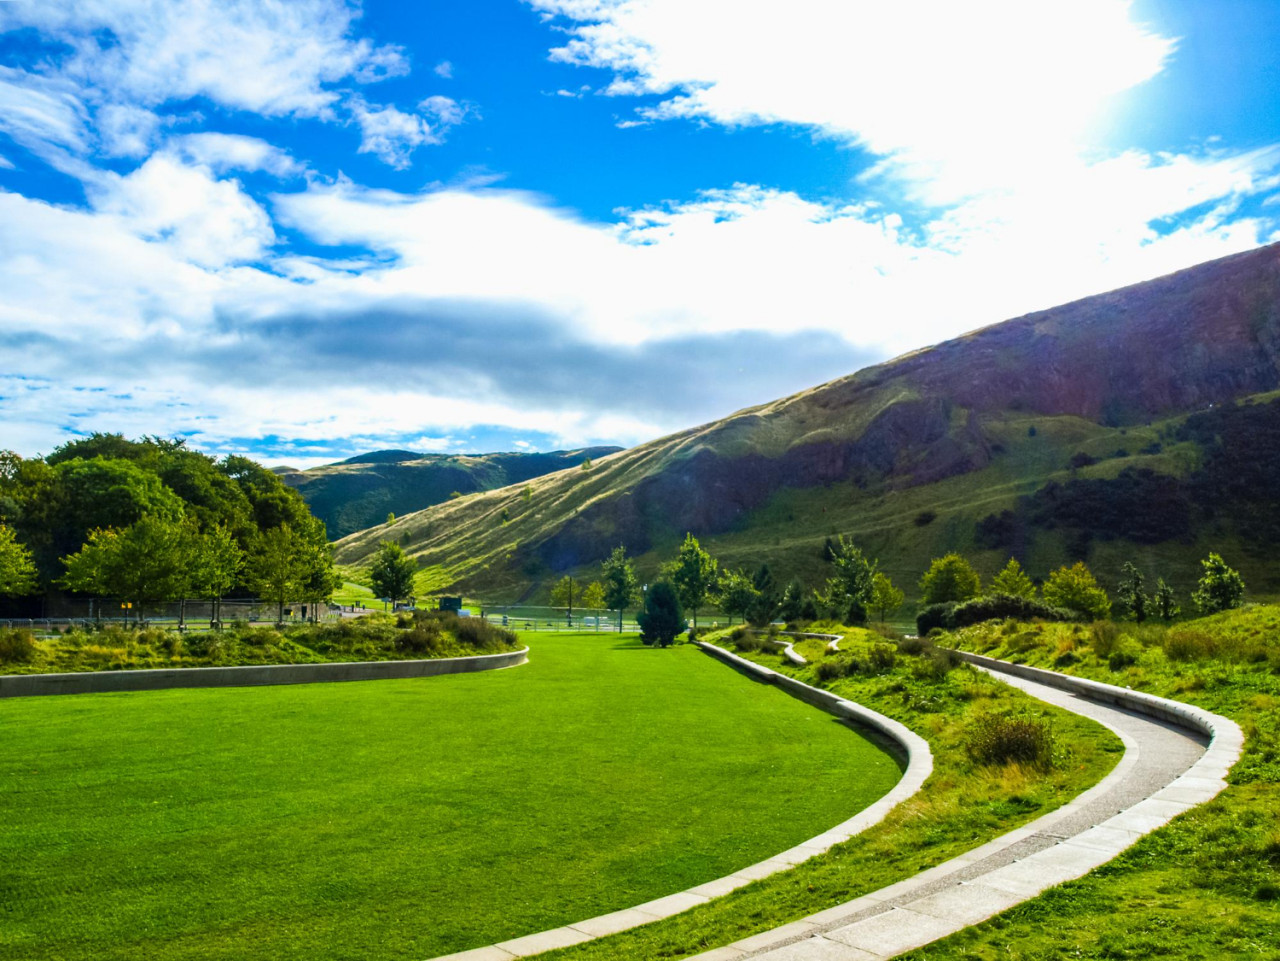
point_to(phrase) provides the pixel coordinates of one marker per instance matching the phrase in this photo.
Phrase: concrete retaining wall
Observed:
(98, 682)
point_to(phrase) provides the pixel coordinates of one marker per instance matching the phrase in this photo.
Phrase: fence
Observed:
(83, 612)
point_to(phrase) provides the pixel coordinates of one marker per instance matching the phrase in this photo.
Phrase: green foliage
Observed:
(936, 617)
(564, 592)
(736, 593)
(764, 604)
(993, 606)
(885, 599)
(281, 566)
(16, 647)
(1133, 600)
(147, 561)
(620, 583)
(1166, 605)
(950, 579)
(17, 569)
(849, 590)
(392, 573)
(1076, 589)
(391, 517)
(1220, 587)
(995, 739)
(662, 618)
(1013, 581)
(593, 596)
(694, 574)
(791, 605)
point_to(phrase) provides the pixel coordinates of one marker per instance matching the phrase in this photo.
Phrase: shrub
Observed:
(1104, 637)
(421, 639)
(993, 739)
(935, 663)
(17, 647)
(1126, 653)
(935, 616)
(995, 606)
(481, 635)
(1188, 644)
(747, 641)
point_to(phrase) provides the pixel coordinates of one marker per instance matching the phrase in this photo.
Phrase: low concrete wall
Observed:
(99, 682)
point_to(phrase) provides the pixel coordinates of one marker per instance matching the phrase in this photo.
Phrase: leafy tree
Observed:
(829, 549)
(17, 569)
(736, 594)
(1166, 604)
(320, 579)
(885, 598)
(848, 592)
(792, 603)
(215, 566)
(620, 582)
(765, 603)
(693, 574)
(391, 517)
(1075, 589)
(562, 593)
(1130, 594)
(391, 574)
(144, 562)
(1013, 581)
(1220, 587)
(278, 566)
(593, 596)
(586, 463)
(662, 619)
(949, 579)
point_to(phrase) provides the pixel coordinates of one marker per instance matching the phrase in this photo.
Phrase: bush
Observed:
(993, 739)
(421, 639)
(17, 647)
(995, 606)
(935, 616)
(1125, 653)
(747, 641)
(481, 635)
(1104, 637)
(935, 663)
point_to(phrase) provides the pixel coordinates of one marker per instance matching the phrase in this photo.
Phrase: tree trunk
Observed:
(182, 614)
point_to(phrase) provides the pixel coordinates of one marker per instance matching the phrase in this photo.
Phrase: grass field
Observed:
(402, 819)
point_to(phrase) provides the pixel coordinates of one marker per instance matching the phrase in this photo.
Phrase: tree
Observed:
(17, 569)
(693, 574)
(278, 567)
(848, 592)
(792, 603)
(736, 594)
(391, 517)
(619, 582)
(1130, 594)
(562, 594)
(593, 596)
(586, 463)
(1220, 587)
(885, 598)
(766, 600)
(1076, 589)
(391, 574)
(950, 579)
(214, 567)
(1013, 581)
(662, 619)
(146, 561)
(1166, 604)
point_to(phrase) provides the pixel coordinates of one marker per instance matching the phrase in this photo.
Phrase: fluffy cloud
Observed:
(222, 152)
(393, 135)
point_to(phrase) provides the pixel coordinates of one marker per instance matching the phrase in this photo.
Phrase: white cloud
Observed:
(223, 152)
(270, 58)
(393, 135)
(126, 131)
(443, 69)
(41, 112)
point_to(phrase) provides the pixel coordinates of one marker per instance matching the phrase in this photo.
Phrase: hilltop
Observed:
(360, 491)
(1094, 429)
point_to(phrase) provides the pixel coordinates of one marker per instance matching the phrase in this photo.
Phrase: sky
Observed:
(302, 229)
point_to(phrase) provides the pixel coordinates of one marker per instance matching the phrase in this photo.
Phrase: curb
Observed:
(919, 767)
(249, 675)
(906, 924)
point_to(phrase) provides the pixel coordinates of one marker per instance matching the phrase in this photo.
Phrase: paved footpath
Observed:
(1136, 798)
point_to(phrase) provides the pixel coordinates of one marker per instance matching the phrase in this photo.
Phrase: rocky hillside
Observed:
(928, 452)
(359, 492)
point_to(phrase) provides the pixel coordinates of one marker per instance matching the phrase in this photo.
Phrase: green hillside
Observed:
(1135, 424)
(359, 492)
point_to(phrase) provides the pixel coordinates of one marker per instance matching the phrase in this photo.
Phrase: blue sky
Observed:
(305, 229)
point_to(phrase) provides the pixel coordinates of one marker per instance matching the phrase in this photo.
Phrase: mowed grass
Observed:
(403, 819)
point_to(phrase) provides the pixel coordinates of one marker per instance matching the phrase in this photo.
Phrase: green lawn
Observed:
(402, 819)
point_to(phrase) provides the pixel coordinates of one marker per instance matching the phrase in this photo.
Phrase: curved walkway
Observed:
(919, 765)
(1165, 771)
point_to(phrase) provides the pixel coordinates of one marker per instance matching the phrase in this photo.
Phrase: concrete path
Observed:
(1165, 770)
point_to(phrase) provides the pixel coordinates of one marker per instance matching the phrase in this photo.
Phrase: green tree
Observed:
(620, 582)
(391, 517)
(662, 619)
(765, 603)
(885, 598)
(320, 579)
(1013, 581)
(391, 574)
(848, 590)
(1165, 601)
(563, 593)
(586, 463)
(1130, 594)
(950, 578)
(693, 574)
(215, 565)
(792, 603)
(1076, 589)
(593, 597)
(736, 593)
(278, 566)
(1220, 587)
(17, 569)
(142, 563)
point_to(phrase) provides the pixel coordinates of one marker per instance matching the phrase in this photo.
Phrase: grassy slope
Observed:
(1208, 885)
(402, 819)
(960, 807)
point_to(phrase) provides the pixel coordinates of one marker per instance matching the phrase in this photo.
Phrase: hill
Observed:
(1005, 440)
(359, 492)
